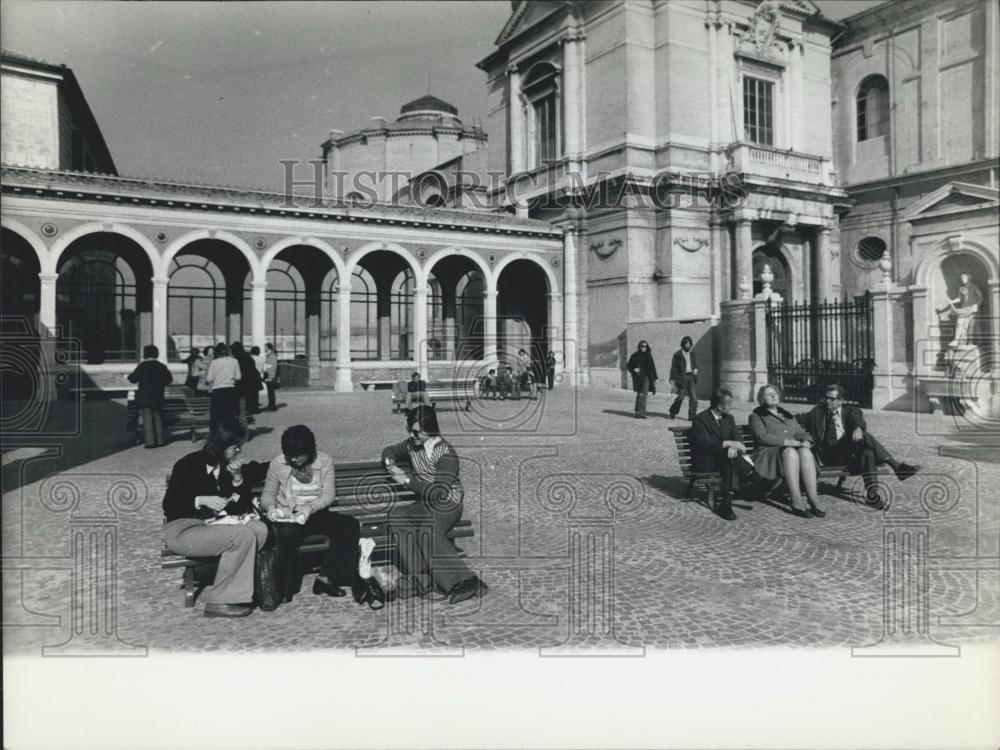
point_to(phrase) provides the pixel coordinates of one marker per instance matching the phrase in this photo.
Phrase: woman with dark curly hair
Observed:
(298, 492)
(209, 484)
(784, 449)
(427, 464)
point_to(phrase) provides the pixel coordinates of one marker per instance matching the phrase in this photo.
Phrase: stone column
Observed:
(344, 382)
(47, 304)
(258, 310)
(571, 98)
(744, 255)
(570, 348)
(743, 362)
(883, 341)
(823, 260)
(420, 326)
(516, 163)
(160, 286)
(556, 326)
(47, 332)
(490, 323)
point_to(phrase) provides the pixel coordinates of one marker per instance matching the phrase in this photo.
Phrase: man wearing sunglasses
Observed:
(841, 438)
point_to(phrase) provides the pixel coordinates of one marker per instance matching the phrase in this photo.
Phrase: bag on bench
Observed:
(266, 591)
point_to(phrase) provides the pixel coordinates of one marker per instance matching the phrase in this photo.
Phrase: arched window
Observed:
(285, 310)
(873, 108)
(364, 314)
(96, 304)
(401, 316)
(541, 89)
(196, 304)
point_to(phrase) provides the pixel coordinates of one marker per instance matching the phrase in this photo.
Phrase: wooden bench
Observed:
(363, 490)
(439, 391)
(373, 385)
(481, 389)
(710, 481)
(183, 411)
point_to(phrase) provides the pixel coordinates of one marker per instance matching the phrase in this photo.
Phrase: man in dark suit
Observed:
(684, 376)
(841, 438)
(716, 447)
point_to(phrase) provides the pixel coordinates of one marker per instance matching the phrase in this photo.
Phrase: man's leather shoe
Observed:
(905, 471)
(467, 589)
(226, 610)
(726, 513)
(327, 588)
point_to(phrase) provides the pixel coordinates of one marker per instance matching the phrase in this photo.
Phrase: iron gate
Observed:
(813, 344)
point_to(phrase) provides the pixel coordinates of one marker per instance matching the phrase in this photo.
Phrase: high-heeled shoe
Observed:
(800, 512)
(816, 510)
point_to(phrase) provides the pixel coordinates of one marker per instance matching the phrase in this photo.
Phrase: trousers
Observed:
(223, 405)
(686, 388)
(152, 426)
(340, 562)
(862, 457)
(640, 397)
(425, 554)
(236, 546)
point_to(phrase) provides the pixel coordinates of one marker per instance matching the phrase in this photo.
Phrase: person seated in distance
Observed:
(210, 483)
(415, 390)
(840, 438)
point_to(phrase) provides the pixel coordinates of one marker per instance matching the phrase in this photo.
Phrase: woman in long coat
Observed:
(784, 449)
(642, 368)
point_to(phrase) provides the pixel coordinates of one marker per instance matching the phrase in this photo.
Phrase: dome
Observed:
(428, 104)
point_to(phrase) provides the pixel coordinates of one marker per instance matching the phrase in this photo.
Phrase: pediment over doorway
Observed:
(955, 197)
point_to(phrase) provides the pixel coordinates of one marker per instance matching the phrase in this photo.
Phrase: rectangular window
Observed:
(545, 130)
(758, 114)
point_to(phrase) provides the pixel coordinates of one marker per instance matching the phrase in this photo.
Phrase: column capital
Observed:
(824, 229)
(573, 35)
(491, 293)
(48, 278)
(513, 69)
(742, 220)
(259, 285)
(160, 280)
(554, 295)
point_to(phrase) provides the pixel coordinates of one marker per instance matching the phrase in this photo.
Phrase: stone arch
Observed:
(41, 252)
(371, 247)
(480, 263)
(930, 261)
(550, 276)
(60, 245)
(273, 251)
(256, 272)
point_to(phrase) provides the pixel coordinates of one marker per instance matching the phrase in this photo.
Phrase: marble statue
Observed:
(964, 307)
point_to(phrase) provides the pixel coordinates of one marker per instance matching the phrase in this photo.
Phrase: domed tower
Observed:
(428, 132)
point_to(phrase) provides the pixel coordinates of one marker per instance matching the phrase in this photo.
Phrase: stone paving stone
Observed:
(656, 571)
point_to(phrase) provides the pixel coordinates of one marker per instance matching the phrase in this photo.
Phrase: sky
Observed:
(218, 93)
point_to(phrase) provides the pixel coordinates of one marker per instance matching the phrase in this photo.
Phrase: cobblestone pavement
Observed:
(583, 533)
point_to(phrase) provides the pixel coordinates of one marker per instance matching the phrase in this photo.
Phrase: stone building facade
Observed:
(376, 163)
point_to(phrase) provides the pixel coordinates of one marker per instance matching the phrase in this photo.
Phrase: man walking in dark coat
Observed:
(841, 438)
(152, 376)
(684, 376)
(716, 447)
